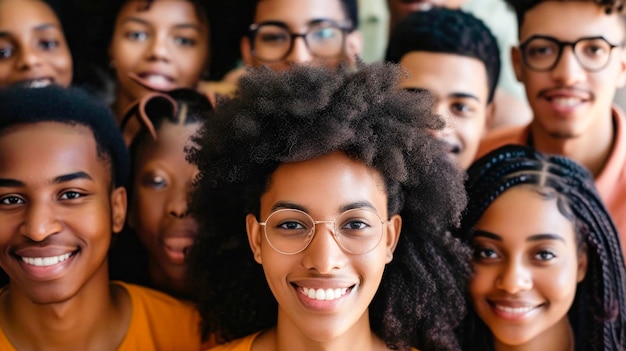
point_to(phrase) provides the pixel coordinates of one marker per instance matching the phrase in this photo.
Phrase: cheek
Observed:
(482, 282)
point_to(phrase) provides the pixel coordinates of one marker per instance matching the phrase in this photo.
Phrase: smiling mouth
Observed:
(324, 294)
(35, 83)
(46, 261)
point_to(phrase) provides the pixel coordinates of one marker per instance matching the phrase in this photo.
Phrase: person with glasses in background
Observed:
(319, 190)
(317, 32)
(571, 60)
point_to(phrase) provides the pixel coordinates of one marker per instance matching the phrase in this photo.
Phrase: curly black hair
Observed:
(522, 6)
(308, 112)
(443, 30)
(598, 313)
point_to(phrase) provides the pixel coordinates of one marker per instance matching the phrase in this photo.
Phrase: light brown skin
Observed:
(69, 305)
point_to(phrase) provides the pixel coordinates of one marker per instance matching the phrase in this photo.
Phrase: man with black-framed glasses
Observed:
(571, 59)
(288, 32)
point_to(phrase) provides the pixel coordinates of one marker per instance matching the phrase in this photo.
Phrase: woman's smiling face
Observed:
(527, 264)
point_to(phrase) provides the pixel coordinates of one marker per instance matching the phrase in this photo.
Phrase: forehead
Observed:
(44, 150)
(444, 74)
(521, 211)
(298, 13)
(570, 20)
(20, 14)
(162, 13)
(324, 184)
(170, 143)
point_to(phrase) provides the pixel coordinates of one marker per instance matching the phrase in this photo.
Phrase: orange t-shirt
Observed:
(244, 344)
(611, 182)
(158, 322)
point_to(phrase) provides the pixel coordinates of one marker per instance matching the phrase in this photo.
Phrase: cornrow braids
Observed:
(598, 313)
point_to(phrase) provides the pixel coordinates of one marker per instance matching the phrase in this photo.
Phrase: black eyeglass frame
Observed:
(561, 44)
(344, 26)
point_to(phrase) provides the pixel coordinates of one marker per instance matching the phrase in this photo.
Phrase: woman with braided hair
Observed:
(548, 270)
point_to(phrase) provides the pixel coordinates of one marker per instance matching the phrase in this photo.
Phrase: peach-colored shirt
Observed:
(611, 183)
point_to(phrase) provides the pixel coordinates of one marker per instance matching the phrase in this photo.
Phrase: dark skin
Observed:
(60, 208)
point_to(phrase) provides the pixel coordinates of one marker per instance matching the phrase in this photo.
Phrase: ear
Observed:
(516, 58)
(621, 77)
(582, 264)
(118, 209)
(246, 51)
(254, 237)
(392, 235)
(354, 46)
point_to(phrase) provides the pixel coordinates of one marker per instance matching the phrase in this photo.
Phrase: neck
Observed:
(164, 281)
(559, 337)
(93, 317)
(288, 337)
(591, 149)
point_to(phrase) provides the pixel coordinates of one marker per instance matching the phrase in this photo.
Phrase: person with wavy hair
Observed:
(324, 205)
(548, 270)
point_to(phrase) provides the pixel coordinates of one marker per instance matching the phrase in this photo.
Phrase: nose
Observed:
(441, 110)
(324, 254)
(177, 205)
(568, 70)
(40, 222)
(158, 48)
(514, 278)
(28, 58)
(299, 52)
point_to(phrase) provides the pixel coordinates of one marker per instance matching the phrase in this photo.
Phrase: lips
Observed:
(45, 261)
(35, 82)
(513, 310)
(323, 294)
(153, 80)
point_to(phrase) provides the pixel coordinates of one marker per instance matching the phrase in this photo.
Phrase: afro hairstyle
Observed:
(304, 113)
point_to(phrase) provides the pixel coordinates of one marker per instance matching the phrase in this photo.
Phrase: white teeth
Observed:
(515, 310)
(324, 294)
(157, 79)
(39, 83)
(45, 261)
(568, 102)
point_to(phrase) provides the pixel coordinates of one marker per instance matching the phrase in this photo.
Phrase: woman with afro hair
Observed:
(548, 270)
(324, 205)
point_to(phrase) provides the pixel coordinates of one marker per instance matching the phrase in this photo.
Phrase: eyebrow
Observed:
(146, 23)
(457, 95)
(39, 28)
(532, 238)
(14, 183)
(290, 205)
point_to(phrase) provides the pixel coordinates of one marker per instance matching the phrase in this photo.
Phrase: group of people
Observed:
(322, 203)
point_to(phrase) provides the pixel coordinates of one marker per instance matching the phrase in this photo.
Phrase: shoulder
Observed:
(243, 344)
(162, 320)
(501, 137)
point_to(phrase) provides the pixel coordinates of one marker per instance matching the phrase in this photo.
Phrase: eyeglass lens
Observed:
(543, 53)
(274, 42)
(357, 231)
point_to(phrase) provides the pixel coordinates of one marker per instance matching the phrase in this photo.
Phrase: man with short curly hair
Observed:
(571, 60)
(453, 55)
